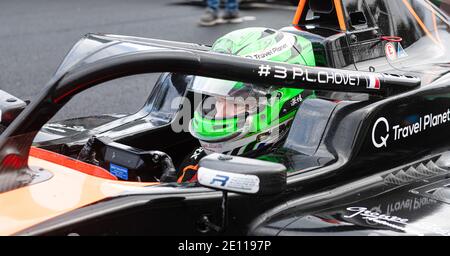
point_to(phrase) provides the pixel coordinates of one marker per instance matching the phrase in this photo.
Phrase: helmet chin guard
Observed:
(243, 145)
(236, 135)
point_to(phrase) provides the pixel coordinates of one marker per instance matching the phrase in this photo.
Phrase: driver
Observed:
(250, 120)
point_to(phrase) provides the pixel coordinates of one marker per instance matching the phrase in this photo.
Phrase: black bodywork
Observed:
(360, 161)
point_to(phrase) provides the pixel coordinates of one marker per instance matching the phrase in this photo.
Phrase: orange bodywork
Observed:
(339, 13)
(72, 186)
(299, 12)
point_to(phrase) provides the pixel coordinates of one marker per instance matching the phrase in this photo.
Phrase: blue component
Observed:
(119, 171)
(221, 179)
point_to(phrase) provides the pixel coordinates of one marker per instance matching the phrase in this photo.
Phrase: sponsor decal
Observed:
(401, 53)
(391, 51)
(230, 181)
(221, 179)
(399, 132)
(382, 141)
(197, 153)
(285, 43)
(409, 204)
(394, 52)
(296, 100)
(118, 171)
(376, 217)
(406, 204)
(373, 216)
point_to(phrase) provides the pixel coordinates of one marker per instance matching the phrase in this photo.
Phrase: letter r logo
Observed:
(221, 179)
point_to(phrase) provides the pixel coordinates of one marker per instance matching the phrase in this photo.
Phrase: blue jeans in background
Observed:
(230, 6)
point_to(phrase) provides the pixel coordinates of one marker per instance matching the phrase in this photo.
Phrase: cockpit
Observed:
(350, 33)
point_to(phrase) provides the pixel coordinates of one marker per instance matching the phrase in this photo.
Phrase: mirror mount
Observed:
(10, 108)
(209, 225)
(239, 175)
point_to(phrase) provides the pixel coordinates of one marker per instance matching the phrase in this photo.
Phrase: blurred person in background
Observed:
(212, 17)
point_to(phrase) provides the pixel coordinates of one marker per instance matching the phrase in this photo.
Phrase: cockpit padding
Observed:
(330, 49)
(309, 126)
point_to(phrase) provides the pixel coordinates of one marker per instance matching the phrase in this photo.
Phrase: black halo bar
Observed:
(222, 66)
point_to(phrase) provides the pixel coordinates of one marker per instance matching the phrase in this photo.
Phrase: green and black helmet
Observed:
(238, 118)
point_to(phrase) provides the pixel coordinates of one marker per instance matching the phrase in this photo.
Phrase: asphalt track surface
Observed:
(35, 35)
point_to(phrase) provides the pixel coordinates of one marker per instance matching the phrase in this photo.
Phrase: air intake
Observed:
(416, 171)
(441, 194)
(439, 190)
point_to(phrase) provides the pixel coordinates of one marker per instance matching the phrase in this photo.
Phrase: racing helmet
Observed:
(237, 118)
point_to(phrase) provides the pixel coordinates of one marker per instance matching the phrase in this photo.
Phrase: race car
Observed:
(368, 156)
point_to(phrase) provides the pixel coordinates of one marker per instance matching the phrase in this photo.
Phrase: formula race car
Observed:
(369, 155)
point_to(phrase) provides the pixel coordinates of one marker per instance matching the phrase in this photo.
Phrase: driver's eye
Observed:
(225, 108)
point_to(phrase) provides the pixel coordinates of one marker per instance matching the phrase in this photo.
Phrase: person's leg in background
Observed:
(232, 12)
(211, 16)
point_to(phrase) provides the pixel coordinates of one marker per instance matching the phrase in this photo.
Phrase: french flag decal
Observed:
(374, 83)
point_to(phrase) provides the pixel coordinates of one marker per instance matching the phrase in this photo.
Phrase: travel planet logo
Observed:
(382, 131)
(382, 140)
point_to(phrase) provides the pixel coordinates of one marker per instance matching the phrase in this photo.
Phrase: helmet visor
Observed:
(228, 107)
(226, 88)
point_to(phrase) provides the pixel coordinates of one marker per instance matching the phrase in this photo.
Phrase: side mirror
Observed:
(241, 175)
(10, 108)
